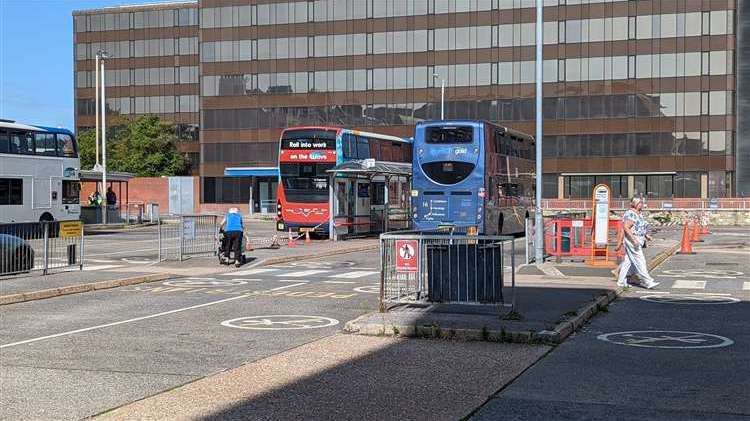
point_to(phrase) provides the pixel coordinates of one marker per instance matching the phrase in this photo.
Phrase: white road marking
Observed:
(123, 252)
(290, 280)
(652, 292)
(354, 275)
(339, 282)
(288, 286)
(746, 286)
(303, 273)
(137, 319)
(686, 284)
(712, 293)
(251, 272)
(99, 260)
(95, 267)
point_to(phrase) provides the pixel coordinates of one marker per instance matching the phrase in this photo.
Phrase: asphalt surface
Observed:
(681, 351)
(79, 355)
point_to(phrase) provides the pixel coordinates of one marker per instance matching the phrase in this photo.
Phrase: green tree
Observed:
(145, 147)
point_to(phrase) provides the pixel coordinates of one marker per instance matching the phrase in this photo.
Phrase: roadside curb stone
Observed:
(286, 259)
(78, 289)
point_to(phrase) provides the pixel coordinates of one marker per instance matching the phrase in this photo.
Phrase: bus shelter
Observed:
(368, 197)
(91, 181)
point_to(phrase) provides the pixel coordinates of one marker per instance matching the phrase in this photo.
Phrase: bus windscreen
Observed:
(447, 172)
(449, 134)
(305, 182)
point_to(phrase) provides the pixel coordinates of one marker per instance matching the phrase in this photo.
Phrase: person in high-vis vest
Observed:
(233, 229)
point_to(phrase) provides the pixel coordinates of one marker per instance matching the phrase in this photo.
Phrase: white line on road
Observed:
(339, 282)
(652, 292)
(686, 284)
(288, 286)
(124, 252)
(300, 274)
(712, 293)
(137, 319)
(100, 267)
(355, 274)
(746, 286)
(250, 272)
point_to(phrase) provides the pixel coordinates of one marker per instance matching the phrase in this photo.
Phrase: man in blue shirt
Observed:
(233, 229)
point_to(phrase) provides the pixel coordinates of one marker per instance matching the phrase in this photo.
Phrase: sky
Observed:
(36, 58)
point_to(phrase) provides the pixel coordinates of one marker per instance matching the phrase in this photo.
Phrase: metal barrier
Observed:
(44, 246)
(466, 269)
(134, 212)
(574, 237)
(188, 235)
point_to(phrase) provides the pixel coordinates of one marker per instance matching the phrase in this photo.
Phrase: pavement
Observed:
(679, 352)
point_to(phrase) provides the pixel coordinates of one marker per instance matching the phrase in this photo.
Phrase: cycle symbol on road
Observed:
(280, 322)
(666, 339)
(369, 289)
(689, 299)
(204, 283)
(710, 274)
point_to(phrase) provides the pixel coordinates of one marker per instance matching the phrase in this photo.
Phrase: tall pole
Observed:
(538, 219)
(104, 146)
(96, 104)
(442, 99)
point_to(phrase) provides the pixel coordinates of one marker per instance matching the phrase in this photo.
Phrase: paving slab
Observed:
(348, 377)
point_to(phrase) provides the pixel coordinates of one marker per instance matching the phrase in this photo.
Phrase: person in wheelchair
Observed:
(232, 228)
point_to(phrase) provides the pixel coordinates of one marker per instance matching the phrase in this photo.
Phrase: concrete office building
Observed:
(641, 95)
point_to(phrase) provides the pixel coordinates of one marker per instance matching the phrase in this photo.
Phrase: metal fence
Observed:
(188, 235)
(44, 246)
(465, 269)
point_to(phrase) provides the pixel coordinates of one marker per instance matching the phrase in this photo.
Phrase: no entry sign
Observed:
(407, 255)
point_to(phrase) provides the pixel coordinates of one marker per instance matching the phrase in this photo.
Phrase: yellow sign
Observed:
(70, 229)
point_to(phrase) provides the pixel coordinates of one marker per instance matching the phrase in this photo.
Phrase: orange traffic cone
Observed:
(686, 247)
(696, 233)
(704, 229)
(290, 242)
(307, 237)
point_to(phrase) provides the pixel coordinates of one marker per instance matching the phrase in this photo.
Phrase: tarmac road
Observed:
(681, 351)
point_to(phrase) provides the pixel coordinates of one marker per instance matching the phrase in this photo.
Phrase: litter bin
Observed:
(465, 272)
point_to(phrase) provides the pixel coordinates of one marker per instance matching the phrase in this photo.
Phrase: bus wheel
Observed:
(500, 225)
(46, 217)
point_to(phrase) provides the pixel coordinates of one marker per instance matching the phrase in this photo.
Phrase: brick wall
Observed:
(139, 190)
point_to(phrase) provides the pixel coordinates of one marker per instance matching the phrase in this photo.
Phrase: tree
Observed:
(145, 147)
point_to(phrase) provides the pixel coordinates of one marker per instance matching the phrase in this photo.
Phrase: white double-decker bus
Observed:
(39, 174)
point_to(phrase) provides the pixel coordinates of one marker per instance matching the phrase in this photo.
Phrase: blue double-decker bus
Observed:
(475, 176)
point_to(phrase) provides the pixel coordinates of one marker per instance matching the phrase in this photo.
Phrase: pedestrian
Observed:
(233, 229)
(111, 197)
(95, 199)
(633, 238)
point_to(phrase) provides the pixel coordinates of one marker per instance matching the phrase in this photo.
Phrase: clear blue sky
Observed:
(36, 58)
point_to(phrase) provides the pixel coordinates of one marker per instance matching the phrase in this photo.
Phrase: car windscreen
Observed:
(447, 172)
(449, 134)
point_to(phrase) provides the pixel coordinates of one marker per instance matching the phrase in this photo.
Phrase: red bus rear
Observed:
(305, 154)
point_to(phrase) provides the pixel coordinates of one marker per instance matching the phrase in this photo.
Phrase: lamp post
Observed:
(102, 56)
(442, 95)
(538, 217)
(96, 105)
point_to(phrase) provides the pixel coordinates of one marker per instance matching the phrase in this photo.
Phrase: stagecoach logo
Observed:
(460, 151)
(306, 212)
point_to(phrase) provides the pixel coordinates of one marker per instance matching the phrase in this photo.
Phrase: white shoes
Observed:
(650, 285)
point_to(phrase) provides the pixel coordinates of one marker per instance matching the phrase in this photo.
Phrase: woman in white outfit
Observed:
(634, 229)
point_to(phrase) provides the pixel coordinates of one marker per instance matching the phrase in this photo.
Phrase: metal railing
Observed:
(466, 269)
(134, 212)
(653, 204)
(44, 246)
(188, 235)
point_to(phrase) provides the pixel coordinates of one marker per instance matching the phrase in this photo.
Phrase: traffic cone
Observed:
(704, 229)
(290, 242)
(685, 246)
(307, 237)
(696, 233)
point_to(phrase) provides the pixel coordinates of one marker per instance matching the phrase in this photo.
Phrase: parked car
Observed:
(16, 255)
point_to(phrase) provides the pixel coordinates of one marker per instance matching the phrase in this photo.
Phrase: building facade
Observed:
(641, 95)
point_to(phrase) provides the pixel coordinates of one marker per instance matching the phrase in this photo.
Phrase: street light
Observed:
(101, 56)
(442, 94)
(538, 217)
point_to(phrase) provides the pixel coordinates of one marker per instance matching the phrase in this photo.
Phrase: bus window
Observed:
(20, 143)
(65, 146)
(510, 190)
(70, 192)
(461, 134)
(45, 144)
(448, 172)
(363, 149)
(4, 143)
(11, 191)
(349, 145)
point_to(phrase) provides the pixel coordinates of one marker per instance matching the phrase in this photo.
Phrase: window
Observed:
(45, 144)
(447, 172)
(11, 191)
(449, 135)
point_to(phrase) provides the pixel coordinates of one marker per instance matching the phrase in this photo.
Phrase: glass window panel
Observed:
(718, 63)
(718, 22)
(717, 102)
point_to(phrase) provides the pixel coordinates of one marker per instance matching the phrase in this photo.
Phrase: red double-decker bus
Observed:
(305, 156)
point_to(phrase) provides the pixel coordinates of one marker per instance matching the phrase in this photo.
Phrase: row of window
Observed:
(478, 74)
(640, 144)
(139, 48)
(360, 147)
(143, 105)
(652, 186)
(136, 20)
(32, 143)
(140, 77)
(336, 10)
(471, 37)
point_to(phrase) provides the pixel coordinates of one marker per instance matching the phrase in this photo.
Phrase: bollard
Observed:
(290, 241)
(685, 246)
(46, 247)
(307, 238)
